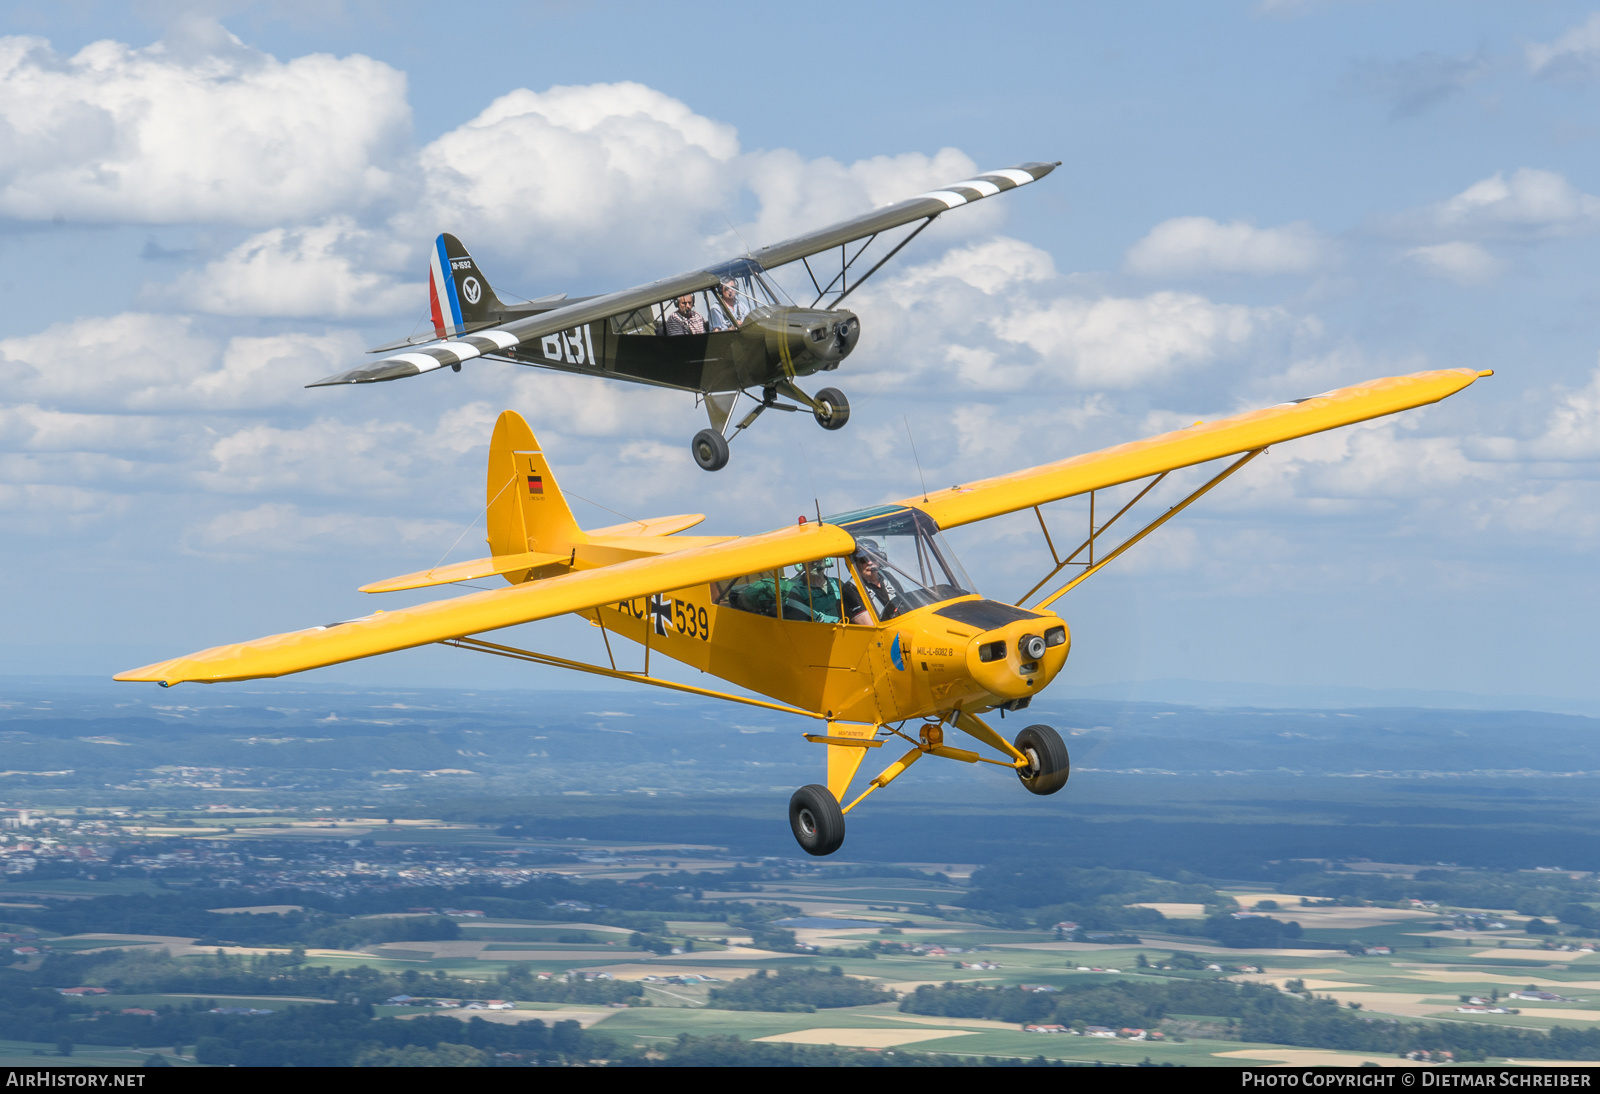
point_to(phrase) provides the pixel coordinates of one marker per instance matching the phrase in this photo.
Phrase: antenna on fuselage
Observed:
(914, 456)
(815, 498)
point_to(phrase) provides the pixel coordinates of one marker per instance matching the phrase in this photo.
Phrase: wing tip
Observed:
(158, 673)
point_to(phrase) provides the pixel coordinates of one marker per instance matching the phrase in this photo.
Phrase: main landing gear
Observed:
(816, 820)
(1048, 766)
(710, 446)
(1041, 762)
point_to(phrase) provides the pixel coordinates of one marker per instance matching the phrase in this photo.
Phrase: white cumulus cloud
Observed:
(333, 268)
(1458, 261)
(151, 363)
(1117, 342)
(567, 178)
(596, 166)
(1573, 429)
(1200, 245)
(1530, 204)
(996, 316)
(282, 528)
(220, 134)
(797, 194)
(1575, 52)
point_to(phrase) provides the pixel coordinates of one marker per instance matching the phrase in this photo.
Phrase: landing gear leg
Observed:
(829, 407)
(816, 820)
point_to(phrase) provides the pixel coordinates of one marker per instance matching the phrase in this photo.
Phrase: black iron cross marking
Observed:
(661, 611)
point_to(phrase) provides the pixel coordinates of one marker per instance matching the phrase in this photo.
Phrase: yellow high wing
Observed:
(385, 632)
(1199, 443)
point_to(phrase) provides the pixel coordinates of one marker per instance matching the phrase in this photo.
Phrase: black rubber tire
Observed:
(837, 406)
(710, 450)
(1049, 765)
(816, 820)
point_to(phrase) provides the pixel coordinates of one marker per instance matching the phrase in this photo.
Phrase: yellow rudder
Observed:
(526, 510)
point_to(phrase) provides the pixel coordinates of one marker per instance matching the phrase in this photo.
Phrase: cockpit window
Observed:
(903, 561)
(752, 289)
(752, 284)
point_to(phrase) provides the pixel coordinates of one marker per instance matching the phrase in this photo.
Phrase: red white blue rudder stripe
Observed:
(442, 299)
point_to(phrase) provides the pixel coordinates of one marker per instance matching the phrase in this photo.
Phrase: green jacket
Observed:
(820, 603)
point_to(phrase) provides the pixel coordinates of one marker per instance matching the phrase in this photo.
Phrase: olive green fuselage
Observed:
(773, 344)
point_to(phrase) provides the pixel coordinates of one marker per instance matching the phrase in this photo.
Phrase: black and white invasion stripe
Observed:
(982, 186)
(426, 358)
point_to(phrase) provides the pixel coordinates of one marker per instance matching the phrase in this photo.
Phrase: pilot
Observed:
(686, 320)
(869, 565)
(727, 309)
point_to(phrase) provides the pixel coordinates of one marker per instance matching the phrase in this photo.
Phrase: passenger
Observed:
(728, 308)
(814, 595)
(686, 320)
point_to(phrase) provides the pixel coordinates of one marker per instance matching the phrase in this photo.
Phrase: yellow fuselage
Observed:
(917, 665)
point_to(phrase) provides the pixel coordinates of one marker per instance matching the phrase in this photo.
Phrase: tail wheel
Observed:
(1048, 765)
(816, 820)
(833, 409)
(710, 450)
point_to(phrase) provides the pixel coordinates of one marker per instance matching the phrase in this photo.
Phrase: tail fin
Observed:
(526, 510)
(458, 293)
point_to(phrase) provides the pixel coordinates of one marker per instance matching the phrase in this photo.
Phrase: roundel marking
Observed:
(472, 290)
(897, 654)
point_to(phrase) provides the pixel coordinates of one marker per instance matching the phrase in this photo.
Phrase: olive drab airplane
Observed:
(864, 621)
(722, 332)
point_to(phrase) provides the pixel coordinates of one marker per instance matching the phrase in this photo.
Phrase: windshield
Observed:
(751, 283)
(903, 560)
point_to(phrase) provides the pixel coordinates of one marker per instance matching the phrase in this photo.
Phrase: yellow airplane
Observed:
(875, 626)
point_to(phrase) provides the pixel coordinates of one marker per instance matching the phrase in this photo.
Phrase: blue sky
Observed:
(203, 207)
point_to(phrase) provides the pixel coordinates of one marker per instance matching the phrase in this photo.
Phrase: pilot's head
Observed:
(727, 290)
(686, 303)
(868, 557)
(816, 572)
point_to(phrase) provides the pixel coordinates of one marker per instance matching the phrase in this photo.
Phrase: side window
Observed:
(816, 592)
(754, 593)
(638, 321)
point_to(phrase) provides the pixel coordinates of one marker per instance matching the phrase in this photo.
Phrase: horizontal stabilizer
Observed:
(463, 571)
(650, 526)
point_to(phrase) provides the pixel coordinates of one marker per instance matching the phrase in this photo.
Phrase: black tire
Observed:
(833, 409)
(1048, 766)
(816, 820)
(710, 450)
